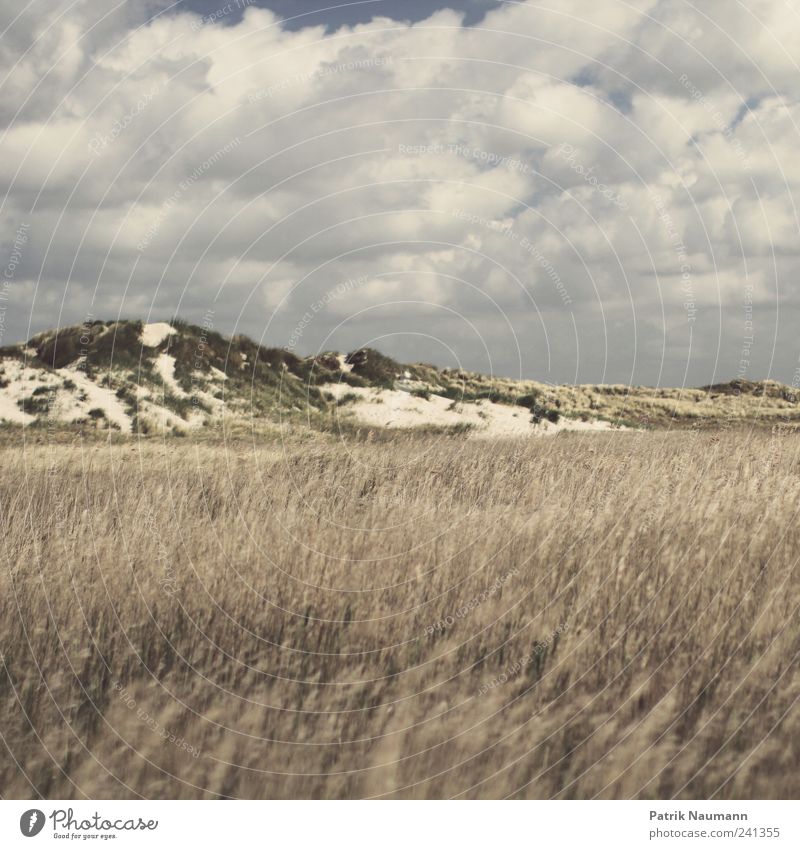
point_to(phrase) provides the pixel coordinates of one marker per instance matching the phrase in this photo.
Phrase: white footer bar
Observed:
(400, 825)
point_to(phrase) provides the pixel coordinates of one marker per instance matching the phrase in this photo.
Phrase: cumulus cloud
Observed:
(602, 186)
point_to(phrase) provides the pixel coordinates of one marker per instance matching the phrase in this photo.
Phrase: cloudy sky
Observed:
(573, 191)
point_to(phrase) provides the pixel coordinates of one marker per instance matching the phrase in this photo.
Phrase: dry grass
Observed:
(282, 612)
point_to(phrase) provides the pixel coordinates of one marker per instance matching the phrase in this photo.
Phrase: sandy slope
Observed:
(154, 334)
(99, 397)
(396, 408)
(67, 404)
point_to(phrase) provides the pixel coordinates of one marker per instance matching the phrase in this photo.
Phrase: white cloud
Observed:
(155, 160)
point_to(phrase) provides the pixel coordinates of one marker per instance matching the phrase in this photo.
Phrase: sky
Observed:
(573, 191)
(336, 13)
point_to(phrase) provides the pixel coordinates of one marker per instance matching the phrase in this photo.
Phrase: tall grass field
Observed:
(607, 615)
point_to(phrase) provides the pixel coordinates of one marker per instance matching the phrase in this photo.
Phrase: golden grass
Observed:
(608, 615)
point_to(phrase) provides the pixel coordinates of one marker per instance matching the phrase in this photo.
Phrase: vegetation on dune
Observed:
(273, 386)
(603, 616)
(98, 345)
(373, 368)
(35, 404)
(761, 389)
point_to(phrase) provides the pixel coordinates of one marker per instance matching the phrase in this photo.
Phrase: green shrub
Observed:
(374, 367)
(35, 405)
(530, 400)
(539, 412)
(462, 427)
(347, 398)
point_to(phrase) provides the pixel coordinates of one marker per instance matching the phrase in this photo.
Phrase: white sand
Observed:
(10, 412)
(160, 417)
(22, 380)
(396, 408)
(66, 404)
(393, 408)
(98, 397)
(154, 334)
(165, 366)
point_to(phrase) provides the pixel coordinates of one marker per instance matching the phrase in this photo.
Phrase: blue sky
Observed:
(334, 13)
